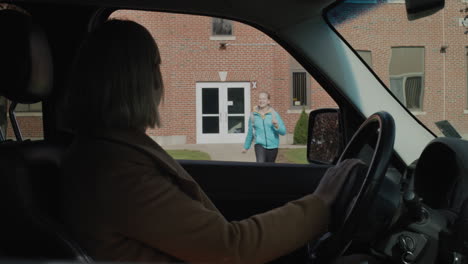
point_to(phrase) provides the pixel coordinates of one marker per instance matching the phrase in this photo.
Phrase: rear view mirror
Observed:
(324, 136)
(416, 9)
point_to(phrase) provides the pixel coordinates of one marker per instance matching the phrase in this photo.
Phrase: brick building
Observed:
(212, 79)
(429, 55)
(213, 69)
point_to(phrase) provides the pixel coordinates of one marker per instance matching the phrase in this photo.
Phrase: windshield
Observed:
(422, 62)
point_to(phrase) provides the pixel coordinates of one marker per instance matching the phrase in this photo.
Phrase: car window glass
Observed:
(28, 116)
(214, 70)
(422, 62)
(3, 115)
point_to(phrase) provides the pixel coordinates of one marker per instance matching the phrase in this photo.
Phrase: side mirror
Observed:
(416, 9)
(324, 138)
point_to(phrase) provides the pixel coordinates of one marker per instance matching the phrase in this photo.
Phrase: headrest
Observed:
(26, 65)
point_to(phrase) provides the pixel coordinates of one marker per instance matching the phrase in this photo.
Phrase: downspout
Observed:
(444, 65)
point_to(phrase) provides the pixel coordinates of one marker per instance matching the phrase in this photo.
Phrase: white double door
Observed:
(222, 111)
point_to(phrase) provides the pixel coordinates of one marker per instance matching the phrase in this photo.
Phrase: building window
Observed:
(37, 107)
(299, 87)
(407, 76)
(300, 80)
(221, 27)
(366, 56)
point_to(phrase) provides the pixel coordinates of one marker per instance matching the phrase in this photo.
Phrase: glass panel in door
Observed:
(235, 110)
(210, 110)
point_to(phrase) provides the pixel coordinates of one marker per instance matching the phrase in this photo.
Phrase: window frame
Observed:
(219, 35)
(307, 88)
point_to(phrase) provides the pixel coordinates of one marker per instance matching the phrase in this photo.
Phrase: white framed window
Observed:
(407, 76)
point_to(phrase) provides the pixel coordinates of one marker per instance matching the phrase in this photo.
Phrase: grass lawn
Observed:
(189, 154)
(293, 155)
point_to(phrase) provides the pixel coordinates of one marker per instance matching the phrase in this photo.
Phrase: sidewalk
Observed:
(224, 152)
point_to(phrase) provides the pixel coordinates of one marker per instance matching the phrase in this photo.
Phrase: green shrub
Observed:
(300, 131)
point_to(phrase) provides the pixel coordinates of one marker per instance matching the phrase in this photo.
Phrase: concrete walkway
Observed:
(224, 152)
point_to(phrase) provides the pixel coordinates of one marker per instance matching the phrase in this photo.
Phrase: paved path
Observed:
(225, 152)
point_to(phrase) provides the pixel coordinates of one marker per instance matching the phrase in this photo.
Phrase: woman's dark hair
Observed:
(116, 81)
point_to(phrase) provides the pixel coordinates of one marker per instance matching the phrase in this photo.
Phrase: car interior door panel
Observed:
(241, 189)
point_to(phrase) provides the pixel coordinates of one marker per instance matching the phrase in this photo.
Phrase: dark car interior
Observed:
(380, 213)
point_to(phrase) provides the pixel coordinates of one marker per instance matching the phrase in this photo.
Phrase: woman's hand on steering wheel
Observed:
(333, 180)
(351, 210)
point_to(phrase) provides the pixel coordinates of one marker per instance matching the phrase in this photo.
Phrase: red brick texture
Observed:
(31, 127)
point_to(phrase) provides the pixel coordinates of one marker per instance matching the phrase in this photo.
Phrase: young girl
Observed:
(265, 126)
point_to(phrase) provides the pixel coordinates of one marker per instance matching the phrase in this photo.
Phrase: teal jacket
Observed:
(265, 133)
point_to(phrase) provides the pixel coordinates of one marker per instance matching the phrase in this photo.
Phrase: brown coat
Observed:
(126, 205)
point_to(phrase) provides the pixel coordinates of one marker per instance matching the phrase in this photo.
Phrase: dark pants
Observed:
(265, 155)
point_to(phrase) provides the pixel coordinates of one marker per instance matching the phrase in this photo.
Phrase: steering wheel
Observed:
(372, 143)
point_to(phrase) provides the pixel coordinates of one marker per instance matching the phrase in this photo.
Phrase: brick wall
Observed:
(31, 127)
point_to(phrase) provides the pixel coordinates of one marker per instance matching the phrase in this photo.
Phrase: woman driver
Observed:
(126, 199)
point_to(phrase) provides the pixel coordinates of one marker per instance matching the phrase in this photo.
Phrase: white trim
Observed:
(223, 136)
(418, 113)
(395, 1)
(223, 38)
(465, 111)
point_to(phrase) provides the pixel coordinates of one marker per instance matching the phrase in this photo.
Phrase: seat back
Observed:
(30, 171)
(30, 199)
